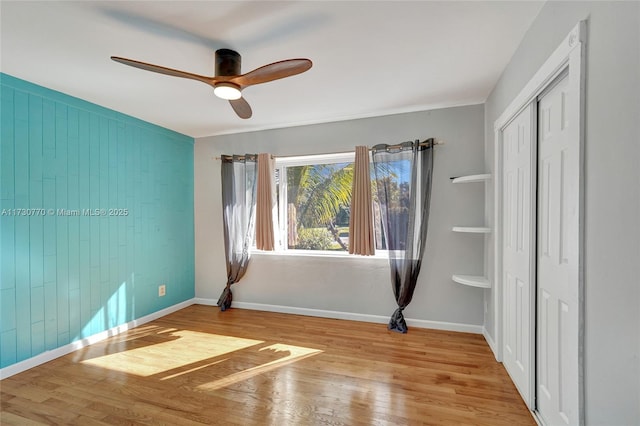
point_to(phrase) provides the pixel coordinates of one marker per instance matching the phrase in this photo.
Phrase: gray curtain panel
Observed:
(403, 180)
(239, 175)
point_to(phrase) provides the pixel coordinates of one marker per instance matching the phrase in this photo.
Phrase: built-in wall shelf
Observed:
(472, 178)
(472, 229)
(472, 280)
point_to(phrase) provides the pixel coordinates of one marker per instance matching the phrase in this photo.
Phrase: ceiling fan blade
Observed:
(274, 71)
(164, 70)
(241, 107)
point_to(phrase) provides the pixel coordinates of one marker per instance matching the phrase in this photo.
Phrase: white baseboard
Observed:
(204, 301)
(47, 356)
(491, 343)
(379, 319)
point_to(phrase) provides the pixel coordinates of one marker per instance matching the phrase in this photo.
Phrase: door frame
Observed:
(568, 57)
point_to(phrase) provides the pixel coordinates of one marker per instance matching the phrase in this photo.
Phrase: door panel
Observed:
(557, 335)
(518, 253)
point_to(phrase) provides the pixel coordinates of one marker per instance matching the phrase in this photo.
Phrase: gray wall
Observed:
(612, 185)
(357, 285)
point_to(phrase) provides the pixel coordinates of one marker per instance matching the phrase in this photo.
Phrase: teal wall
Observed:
(63, 278)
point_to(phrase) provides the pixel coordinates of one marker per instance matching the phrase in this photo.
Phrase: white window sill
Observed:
(379, 256)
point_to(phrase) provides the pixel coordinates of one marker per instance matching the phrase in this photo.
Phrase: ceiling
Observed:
(369, 58)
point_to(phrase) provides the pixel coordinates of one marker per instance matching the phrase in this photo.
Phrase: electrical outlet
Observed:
(162, 290)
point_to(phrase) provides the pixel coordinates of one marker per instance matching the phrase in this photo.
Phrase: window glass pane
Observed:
(318, 200)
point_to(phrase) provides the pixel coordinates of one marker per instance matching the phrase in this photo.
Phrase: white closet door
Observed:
(557, 335)
(518, 254)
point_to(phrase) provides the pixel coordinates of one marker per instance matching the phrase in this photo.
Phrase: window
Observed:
(314, 198)
(314, 195)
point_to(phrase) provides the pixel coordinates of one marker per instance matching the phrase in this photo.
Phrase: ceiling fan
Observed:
(227, 82)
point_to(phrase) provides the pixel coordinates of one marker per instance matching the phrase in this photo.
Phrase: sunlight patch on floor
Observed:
(185, 348)
(286, 355)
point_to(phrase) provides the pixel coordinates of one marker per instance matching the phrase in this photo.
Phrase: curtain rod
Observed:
(426, 142)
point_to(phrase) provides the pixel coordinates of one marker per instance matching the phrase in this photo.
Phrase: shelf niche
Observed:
(472, 280)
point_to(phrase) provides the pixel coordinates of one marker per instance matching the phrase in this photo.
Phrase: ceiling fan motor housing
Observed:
(227, 62)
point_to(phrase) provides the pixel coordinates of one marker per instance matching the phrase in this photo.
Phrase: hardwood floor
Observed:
(203, 366)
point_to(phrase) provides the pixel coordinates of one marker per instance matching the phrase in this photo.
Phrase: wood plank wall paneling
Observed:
(62, 277)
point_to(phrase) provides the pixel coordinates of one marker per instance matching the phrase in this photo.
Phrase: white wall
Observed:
(612, 197)
(356, 285)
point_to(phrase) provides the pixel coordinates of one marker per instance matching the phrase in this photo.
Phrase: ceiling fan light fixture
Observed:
(227, 91)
